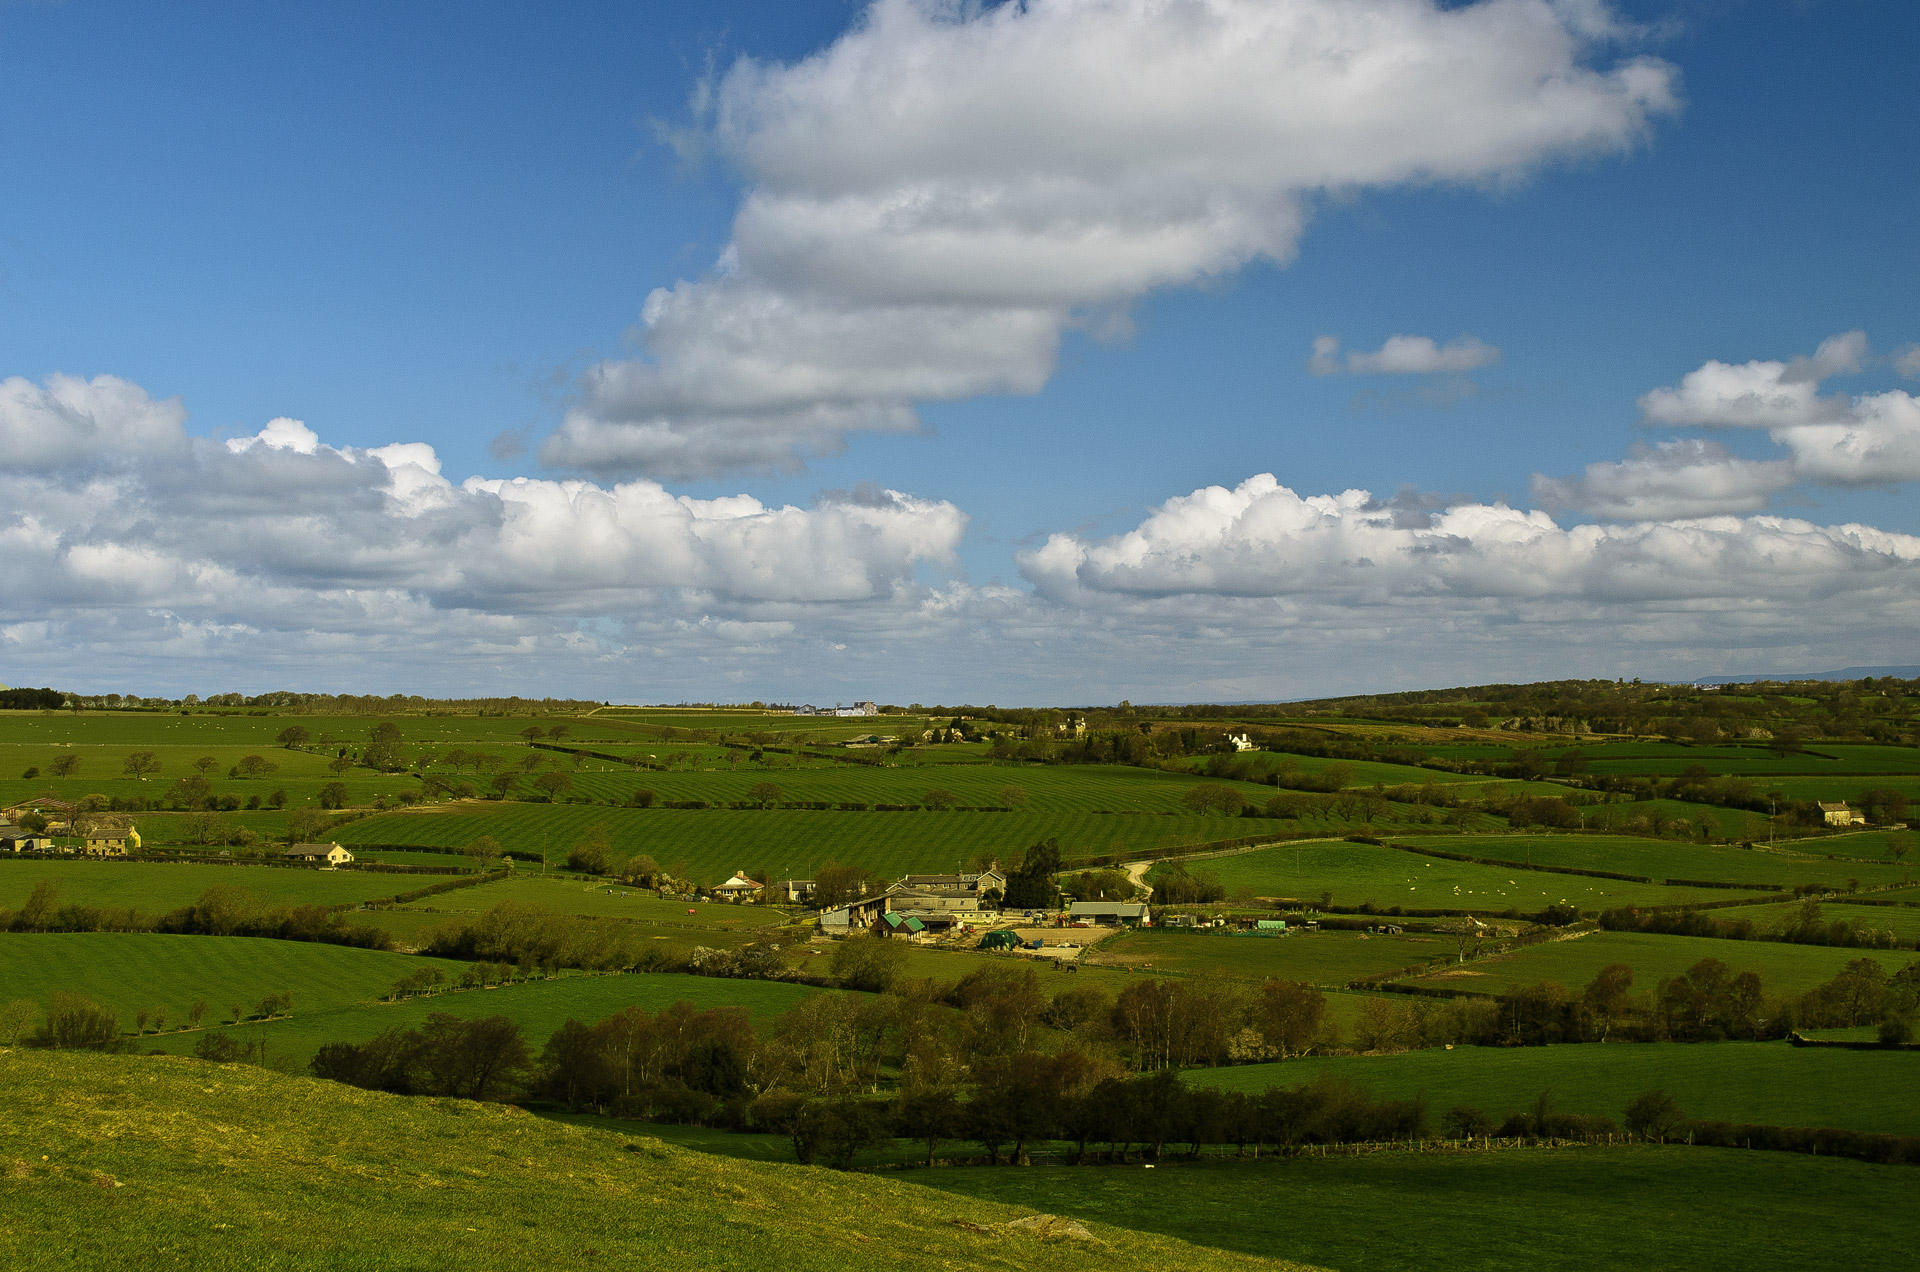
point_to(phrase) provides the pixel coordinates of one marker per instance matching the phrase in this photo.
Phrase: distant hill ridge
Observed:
(1845, 673)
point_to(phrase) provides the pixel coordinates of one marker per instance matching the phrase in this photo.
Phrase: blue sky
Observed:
(439, 224)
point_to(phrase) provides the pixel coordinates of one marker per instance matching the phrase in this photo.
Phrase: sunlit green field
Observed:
(1783, 969)
(157, 887)
(1320, 958)
(791, 843)
(1385, 877)
(1659, 859)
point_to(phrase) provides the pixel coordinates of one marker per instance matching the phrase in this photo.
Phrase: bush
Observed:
(76, 1023)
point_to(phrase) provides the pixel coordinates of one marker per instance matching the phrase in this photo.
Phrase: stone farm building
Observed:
(1841, 815)
(112, 839)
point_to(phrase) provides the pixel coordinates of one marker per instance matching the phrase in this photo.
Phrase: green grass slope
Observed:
(155, 887)
(113, 1162)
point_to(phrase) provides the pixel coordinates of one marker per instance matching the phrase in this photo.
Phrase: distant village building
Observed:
(1241, 742)
(15, 839)
(796, 890)
(324, 855)
(858, 709)
(854, 916)
(1841, 815)
(738, 888)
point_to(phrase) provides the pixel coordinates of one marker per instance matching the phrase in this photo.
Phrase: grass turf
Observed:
(117, 1162)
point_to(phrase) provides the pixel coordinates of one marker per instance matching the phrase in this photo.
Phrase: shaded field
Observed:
(1573, 1209)
(130, 972)
(1668, 759)
(1366, 873)
(156, 887)
(1049, 789)
(239, 1167)
(788, 843)
(1320, 958)
(602, 900)
(1660, 858)
(1783, 969)
(539, 1007)
(1732, 1081)
(1902, 921)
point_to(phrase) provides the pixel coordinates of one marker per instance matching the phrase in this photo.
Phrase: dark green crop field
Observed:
(1768, 1082)
(155, 887)
(1581, 1210)
(1783, 969)
(131, 972)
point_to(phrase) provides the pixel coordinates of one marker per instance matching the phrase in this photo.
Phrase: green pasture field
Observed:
(1658, 858)
(155, 887)
(1047, 789)
(1872, 845)
(539, 1007)
(790, 843)
(1578, 1210)
(1901, 920)
(128, 972)
(1725, 823)
(1844, 789)
(1667, 759)
(1783, 969)
(1320, 958)
(1359, 873)
(1768, 1082)
(601, 900)
(141, 1161)
(1365, 772)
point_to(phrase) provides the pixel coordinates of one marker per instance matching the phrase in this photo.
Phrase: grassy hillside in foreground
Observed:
(1721, 1081)
(1581, 1210)
(158, 887)
(162, 1162)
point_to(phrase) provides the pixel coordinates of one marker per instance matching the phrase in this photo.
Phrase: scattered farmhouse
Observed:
(796, 890)
(1241, 742)
(857, 709)
(320, 854)
(1841, 815)
(112, 839)
(738, 888)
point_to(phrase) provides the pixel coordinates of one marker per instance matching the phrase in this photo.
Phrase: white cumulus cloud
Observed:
(1688, 477)
(1403, 355)
(934, 198)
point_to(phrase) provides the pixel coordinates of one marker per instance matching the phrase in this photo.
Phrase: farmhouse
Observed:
(1241, 742)
(321, 854)
(1841, 815)
(112, 839)
(858, 709)
(796, 890)
(1110, 913)
(854, 915)
(949, 892)
(738, 888)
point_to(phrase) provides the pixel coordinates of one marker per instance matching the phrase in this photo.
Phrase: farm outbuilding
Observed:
(1110, 913)
(1003, 939)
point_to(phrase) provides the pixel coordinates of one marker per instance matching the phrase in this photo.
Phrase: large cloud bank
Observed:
(937, 196)
(113, 510)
